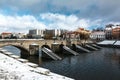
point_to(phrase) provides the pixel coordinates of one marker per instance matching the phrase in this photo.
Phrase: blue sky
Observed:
(22, 15)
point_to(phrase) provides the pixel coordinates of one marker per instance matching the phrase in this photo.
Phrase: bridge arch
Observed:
(24, 51)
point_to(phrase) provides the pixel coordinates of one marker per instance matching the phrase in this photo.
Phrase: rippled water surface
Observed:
(103, 64)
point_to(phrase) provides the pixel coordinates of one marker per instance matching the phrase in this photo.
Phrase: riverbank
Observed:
(110, 43)
(13, 69)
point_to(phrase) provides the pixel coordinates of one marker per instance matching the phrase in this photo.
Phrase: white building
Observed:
(97, 35)
(57, 32)
(18, 35)
(36, 33)
(108, 31)
(47, 33)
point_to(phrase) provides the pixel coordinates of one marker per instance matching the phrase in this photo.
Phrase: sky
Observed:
(23, 15)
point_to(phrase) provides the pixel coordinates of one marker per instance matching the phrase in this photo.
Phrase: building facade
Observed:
(116, 32)
(97, 35)
(108, 31)
(49, 34)
(18, 35)
(6, 35)
(79, 33)
(83, 33)
(36, 33)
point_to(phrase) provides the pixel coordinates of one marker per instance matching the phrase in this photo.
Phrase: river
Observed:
(103, 64)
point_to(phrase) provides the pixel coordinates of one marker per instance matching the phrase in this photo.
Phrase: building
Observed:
(83, 33)
(108, 31)
(18, 35)
(49, 34)
(36, 33)
(79, 33)
(6, 35)
(97, 35)
(116, 32)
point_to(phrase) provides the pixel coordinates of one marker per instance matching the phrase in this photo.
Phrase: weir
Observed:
(70, 50)
(91, 47)
(81, 48)
(50, 54)
(96, 46)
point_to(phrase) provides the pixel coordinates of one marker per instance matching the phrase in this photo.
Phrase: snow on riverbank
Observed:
(13, 69)
(107, 42)
(110, 42)
(117, 43)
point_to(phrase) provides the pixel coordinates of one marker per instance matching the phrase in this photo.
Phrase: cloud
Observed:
(19, 23)
(69, 22)
(45, 20)
(89, 9)
(38, 6)
(63, 21)
(66, 14)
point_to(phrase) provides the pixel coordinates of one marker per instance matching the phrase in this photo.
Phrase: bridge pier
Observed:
(55, 47)
(34, 49)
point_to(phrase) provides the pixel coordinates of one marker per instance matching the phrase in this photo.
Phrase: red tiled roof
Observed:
(4, 33)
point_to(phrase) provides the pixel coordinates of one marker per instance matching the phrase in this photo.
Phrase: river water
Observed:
(103, 64)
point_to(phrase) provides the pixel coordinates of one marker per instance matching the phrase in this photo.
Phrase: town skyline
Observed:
(23, 15)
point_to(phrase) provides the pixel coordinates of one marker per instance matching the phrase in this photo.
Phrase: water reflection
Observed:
(103, 64)
(13, 50)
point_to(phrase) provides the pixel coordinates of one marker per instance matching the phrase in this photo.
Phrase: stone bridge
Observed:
(23, 44)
